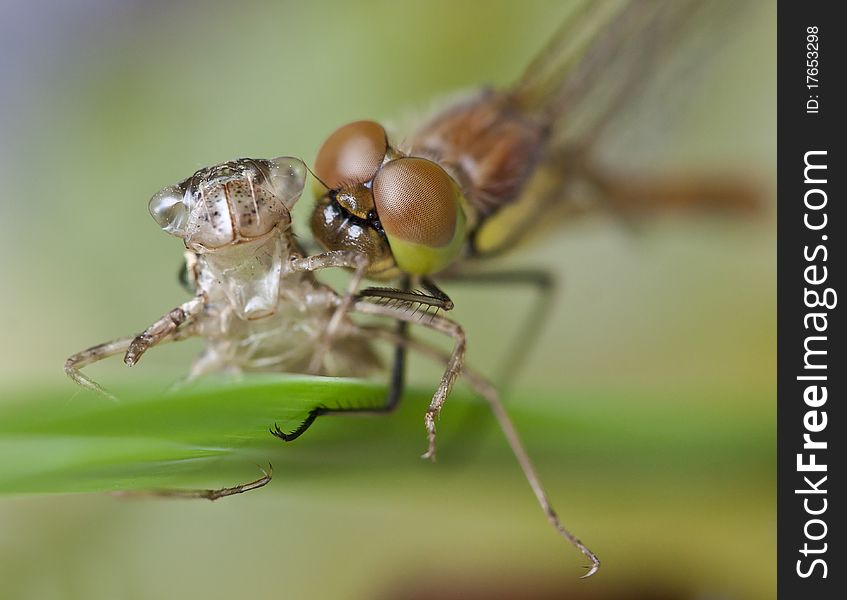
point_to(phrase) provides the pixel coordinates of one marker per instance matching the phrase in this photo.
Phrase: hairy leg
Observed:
(454, 364)
(358, 262)
(392, 398)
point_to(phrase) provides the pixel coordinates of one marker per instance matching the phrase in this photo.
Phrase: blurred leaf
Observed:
(50, 443)
(211, 434)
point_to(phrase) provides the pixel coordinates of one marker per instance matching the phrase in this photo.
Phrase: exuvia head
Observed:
(227, 214)
(230, 203)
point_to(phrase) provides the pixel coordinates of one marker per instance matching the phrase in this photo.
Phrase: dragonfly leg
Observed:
(212, 495)
(488, 392)
(454, 364)
(543, 284)
(434, 297)
(392, 398)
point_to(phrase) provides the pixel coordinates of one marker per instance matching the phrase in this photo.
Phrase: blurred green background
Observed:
(657, 365)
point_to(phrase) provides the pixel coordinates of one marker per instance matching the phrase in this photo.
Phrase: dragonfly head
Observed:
(405, 213)
(230, 203)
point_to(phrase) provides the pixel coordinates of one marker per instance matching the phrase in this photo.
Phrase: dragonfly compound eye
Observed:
(351, 154)
(420, 208)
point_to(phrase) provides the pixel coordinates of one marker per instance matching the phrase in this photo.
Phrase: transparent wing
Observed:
(607, 52)
(587, 83)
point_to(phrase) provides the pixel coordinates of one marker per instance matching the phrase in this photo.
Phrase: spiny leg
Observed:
(212, 495)
(435, 297)
(395, 391)
(454, 364)
(543, 286)
(484, 388)
(359, 263)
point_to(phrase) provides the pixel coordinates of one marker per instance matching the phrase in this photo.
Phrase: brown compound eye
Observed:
(351, 154)
(420, 209)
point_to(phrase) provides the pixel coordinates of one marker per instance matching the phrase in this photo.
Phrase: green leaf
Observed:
(215, 434)
(59, 443)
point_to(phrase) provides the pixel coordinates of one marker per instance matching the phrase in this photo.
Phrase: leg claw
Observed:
(277, 432)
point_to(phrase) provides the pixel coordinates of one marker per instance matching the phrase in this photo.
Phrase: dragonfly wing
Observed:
(584, 84)
(606, 54)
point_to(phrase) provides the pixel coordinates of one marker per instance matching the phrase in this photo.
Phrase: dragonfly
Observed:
(489, 169)
(474, 181)
(260, 308)
(497, 166)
